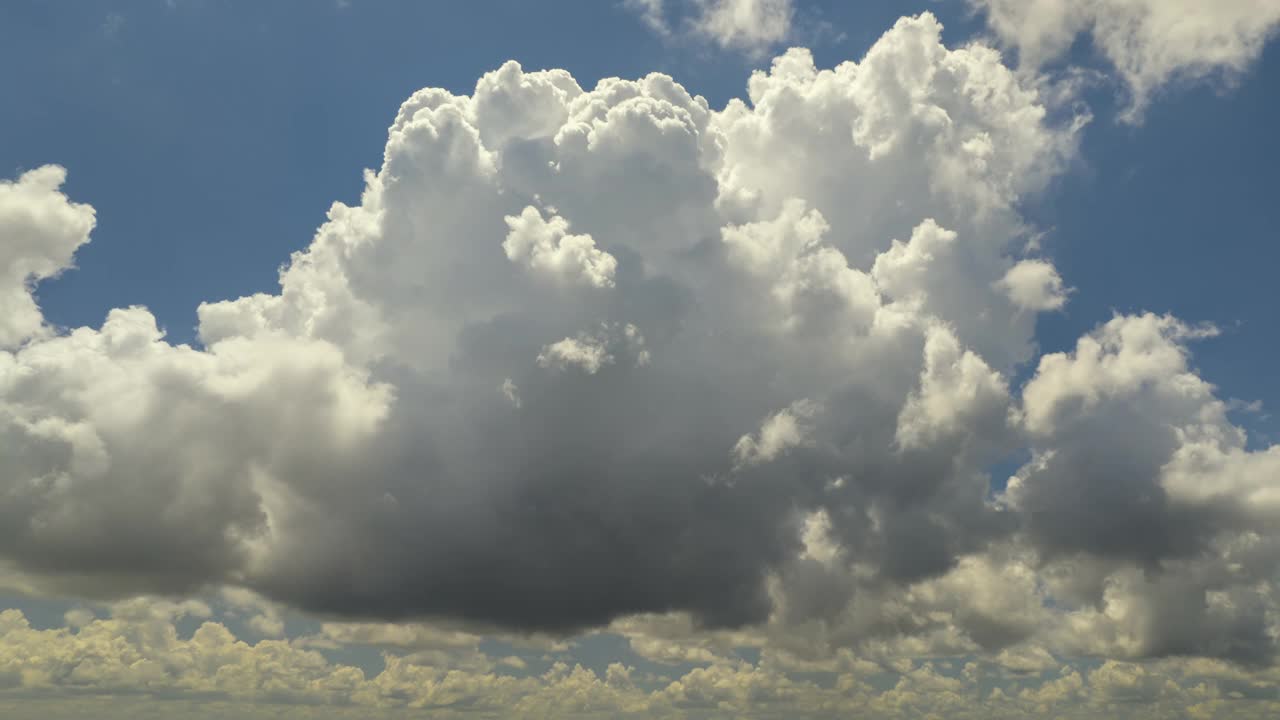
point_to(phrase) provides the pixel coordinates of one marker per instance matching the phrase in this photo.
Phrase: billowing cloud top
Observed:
(579, 355)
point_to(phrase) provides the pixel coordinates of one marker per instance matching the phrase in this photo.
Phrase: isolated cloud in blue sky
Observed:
(753, 26)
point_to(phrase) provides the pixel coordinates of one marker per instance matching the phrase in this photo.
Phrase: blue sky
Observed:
(211, 138)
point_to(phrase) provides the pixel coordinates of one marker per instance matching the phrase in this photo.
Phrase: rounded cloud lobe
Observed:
(41, 228)
(584, 354)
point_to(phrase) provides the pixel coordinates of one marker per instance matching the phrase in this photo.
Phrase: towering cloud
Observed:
(583, 354)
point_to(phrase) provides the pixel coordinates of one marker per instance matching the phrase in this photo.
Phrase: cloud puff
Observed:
(749, 26)
(546, 246)
(1149, 42)
(752, 25)
(41, 230)
(778, 433)
(1034, 285)
(732, 393)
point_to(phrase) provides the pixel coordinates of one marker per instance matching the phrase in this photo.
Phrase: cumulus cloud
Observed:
(752, 25)
(41, 228)
(1034, 285)
(138, 655)
(778, 433)
(586, 352)
(749, 26)
(1150, 43)
(546, 246)
(583, 355)
(343, 425)
(1160, 551)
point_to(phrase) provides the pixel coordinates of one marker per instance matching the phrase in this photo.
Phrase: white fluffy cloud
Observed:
(753, 25)
(41, 230)
(1034, 285)
(582, 355)
(749, 26)
(1149, 42)
(546, 246)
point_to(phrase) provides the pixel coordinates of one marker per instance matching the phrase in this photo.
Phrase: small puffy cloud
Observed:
(545, 246)
(750, 25)
(786, 429)
(1034, 285)
(584, 351)
(590, 352)
(957, 390)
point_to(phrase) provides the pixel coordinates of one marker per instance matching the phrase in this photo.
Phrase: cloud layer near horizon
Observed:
(583, 357)
(152, 667)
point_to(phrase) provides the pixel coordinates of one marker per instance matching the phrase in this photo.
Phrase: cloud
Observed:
(326, 435)
(546, 246)
(778, 433)
(1034, 285)
(1150, 43)
(1136, 498)
(751, 25)
(585, 351)
(652, 13)
(42, 229)
(580, 356)
(138, 661)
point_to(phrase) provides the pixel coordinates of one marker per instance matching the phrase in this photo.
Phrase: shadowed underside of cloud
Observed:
(585, 354)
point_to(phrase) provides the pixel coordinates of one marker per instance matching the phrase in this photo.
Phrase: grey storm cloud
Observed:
(581, 354)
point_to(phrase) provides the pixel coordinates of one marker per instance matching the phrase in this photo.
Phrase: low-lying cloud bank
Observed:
(151, 668)
(611, 356)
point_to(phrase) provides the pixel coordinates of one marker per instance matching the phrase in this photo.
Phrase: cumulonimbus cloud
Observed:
(582, 354)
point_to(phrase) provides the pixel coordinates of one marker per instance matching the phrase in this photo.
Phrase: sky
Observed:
(639, 358)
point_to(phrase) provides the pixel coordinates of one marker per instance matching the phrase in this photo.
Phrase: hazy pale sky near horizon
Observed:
(671, 358)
